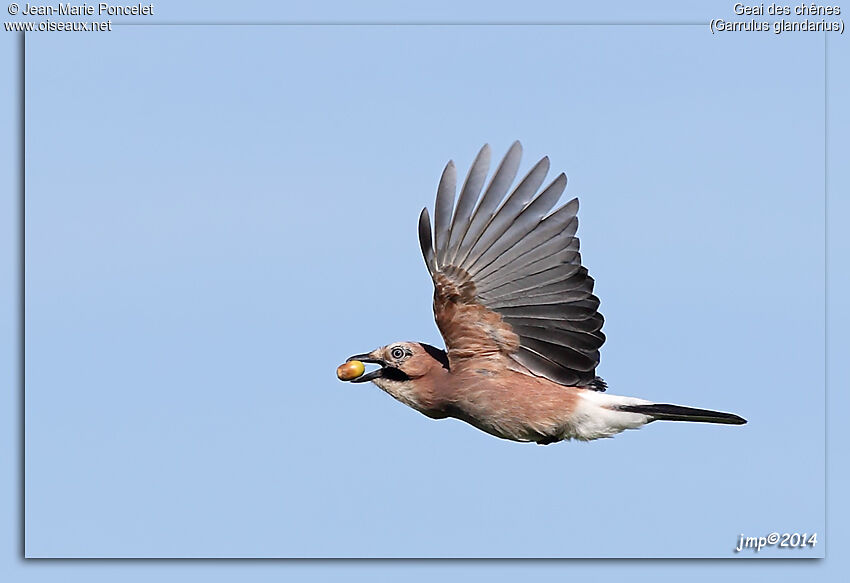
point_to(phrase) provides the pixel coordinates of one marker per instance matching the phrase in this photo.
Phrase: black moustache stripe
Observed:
(394, 374)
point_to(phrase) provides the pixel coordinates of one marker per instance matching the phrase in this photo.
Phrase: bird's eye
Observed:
(397, 353)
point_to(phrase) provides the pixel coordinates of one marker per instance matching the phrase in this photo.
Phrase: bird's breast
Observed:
(509, 404)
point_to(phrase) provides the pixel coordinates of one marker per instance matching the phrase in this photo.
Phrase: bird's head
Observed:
(406, 370)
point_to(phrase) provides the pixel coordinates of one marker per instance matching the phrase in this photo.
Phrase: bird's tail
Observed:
(664, 412)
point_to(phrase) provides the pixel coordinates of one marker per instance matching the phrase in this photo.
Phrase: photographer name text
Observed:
(99, 9)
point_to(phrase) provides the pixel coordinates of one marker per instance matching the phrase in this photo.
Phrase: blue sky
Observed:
(217, 216)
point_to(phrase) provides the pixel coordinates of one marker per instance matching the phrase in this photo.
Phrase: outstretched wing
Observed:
(507, 273)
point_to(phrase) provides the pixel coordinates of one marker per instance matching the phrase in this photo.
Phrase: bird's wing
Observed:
(507, 272)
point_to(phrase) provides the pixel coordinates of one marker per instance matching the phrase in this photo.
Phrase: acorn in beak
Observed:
(353, 369)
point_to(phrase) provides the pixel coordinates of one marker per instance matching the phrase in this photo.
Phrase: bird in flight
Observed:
(516, 310)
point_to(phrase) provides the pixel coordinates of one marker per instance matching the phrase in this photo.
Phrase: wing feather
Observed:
(579, 341)
(552, 253)
(443, 210)
(523, 223)
(498, 187)
(566, 274)
(468, 197)
(507, 272)
(548, 368)
(510, 210)
(559, 225)
(425, 241)
(588, 326)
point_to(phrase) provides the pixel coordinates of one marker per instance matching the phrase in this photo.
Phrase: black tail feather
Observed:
(664, 412)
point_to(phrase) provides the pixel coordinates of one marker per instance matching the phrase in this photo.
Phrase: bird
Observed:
(516, 309)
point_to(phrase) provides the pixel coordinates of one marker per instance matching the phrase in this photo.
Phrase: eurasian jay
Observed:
(517, 312)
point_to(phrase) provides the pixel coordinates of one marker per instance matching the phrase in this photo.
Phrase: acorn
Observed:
(350, 370)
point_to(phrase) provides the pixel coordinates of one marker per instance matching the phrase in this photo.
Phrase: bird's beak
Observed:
(368, 358)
